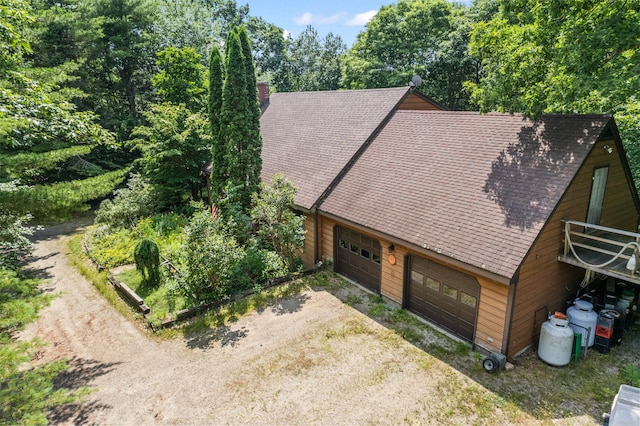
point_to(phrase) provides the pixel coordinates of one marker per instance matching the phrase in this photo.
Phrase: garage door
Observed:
(358, 257)
(444, 296)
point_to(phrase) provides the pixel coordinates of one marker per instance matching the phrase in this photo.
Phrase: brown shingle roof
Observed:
(311, 136)
(476, 188)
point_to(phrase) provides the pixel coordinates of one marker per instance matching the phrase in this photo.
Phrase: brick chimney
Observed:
(263, 95)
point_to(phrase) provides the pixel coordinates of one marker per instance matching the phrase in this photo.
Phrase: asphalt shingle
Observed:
(477, 188)
(311, 136)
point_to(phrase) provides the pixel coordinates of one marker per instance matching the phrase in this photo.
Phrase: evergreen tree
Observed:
(216, 82)
(255, 142)
(239, 124)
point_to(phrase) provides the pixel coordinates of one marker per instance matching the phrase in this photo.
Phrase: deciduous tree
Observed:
(568, 57)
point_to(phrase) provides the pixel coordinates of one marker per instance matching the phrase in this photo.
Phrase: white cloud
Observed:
(362, 18)
(309, 18)
(286, 34)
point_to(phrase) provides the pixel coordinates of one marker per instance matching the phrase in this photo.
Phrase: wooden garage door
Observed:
(358, 257)
(444, 296)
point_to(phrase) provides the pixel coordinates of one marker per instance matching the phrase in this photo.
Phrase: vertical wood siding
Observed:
(491, 315)
(307, 254)
(546, 283)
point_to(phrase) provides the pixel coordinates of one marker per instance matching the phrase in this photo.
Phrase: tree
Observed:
(40, 135)
(120, 61)
(312, 63)
(197, 24)
(428, 38)
(14, 18)
(181, 77)
(147, 257)
(279, 228)
(566, 57)
(175, 148)
(240, 129)
(218, 177)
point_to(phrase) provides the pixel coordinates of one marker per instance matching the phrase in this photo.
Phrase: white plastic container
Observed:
(582, 317)
(556, 342)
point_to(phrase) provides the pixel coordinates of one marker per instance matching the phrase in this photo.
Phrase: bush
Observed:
(257, 267)
(131, 203)
(14, 245)
(209, 259)
(147, 257)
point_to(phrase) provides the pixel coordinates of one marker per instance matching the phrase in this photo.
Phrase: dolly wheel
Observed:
(489, 364)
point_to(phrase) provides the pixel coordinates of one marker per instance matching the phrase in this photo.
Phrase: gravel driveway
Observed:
(309, 359)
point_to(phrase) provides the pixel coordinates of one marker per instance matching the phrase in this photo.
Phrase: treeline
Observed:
(83, 79)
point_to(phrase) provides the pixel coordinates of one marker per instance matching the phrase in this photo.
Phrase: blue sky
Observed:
(345, 18)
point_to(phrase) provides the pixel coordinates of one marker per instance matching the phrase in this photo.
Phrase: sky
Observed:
(345, 18)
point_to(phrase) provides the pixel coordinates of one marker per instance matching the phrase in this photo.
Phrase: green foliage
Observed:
(631, 374)
(29, 164)
(26, 393)
(218, 177)
(119, 58)
(562, 57)
(14, 17)
(61, 200)
(198, 24)
(628, 121)
(240, 123)
(175, 147)
(279, 228)
(209, 258)
(147, 257)
(112, 246)
(31, 119)
(128, 204)
(258, 266)
(181, 77)
(311, 63)
(427, 38)
(14, 245)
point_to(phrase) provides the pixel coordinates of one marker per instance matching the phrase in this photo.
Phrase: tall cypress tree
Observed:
(255, 142)
(218, 147)
(239, 122)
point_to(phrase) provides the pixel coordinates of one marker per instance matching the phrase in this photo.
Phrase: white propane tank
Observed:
(582, 317)
(556, 342)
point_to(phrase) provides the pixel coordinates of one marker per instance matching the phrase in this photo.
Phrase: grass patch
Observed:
(353, 299)
(326, 280)
(99, 278)
(162, 302)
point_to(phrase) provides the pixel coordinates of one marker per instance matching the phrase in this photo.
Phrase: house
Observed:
(457, 216)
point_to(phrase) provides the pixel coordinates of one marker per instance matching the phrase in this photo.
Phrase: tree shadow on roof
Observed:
(529, 177)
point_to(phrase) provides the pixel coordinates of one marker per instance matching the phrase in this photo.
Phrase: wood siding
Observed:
(545, 283)
(493, 296)
(307, 254)
(492, 310)
(415, 102)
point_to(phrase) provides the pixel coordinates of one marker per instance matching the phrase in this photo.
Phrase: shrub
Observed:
(147, 257)
(128, 204)
(210, 259)
(279, 228)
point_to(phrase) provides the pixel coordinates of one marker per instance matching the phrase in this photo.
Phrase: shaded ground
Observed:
(306, 359)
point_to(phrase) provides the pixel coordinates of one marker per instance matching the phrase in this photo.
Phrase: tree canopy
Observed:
(540, 56)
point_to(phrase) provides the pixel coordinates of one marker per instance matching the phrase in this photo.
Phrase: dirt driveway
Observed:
(310, 359)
